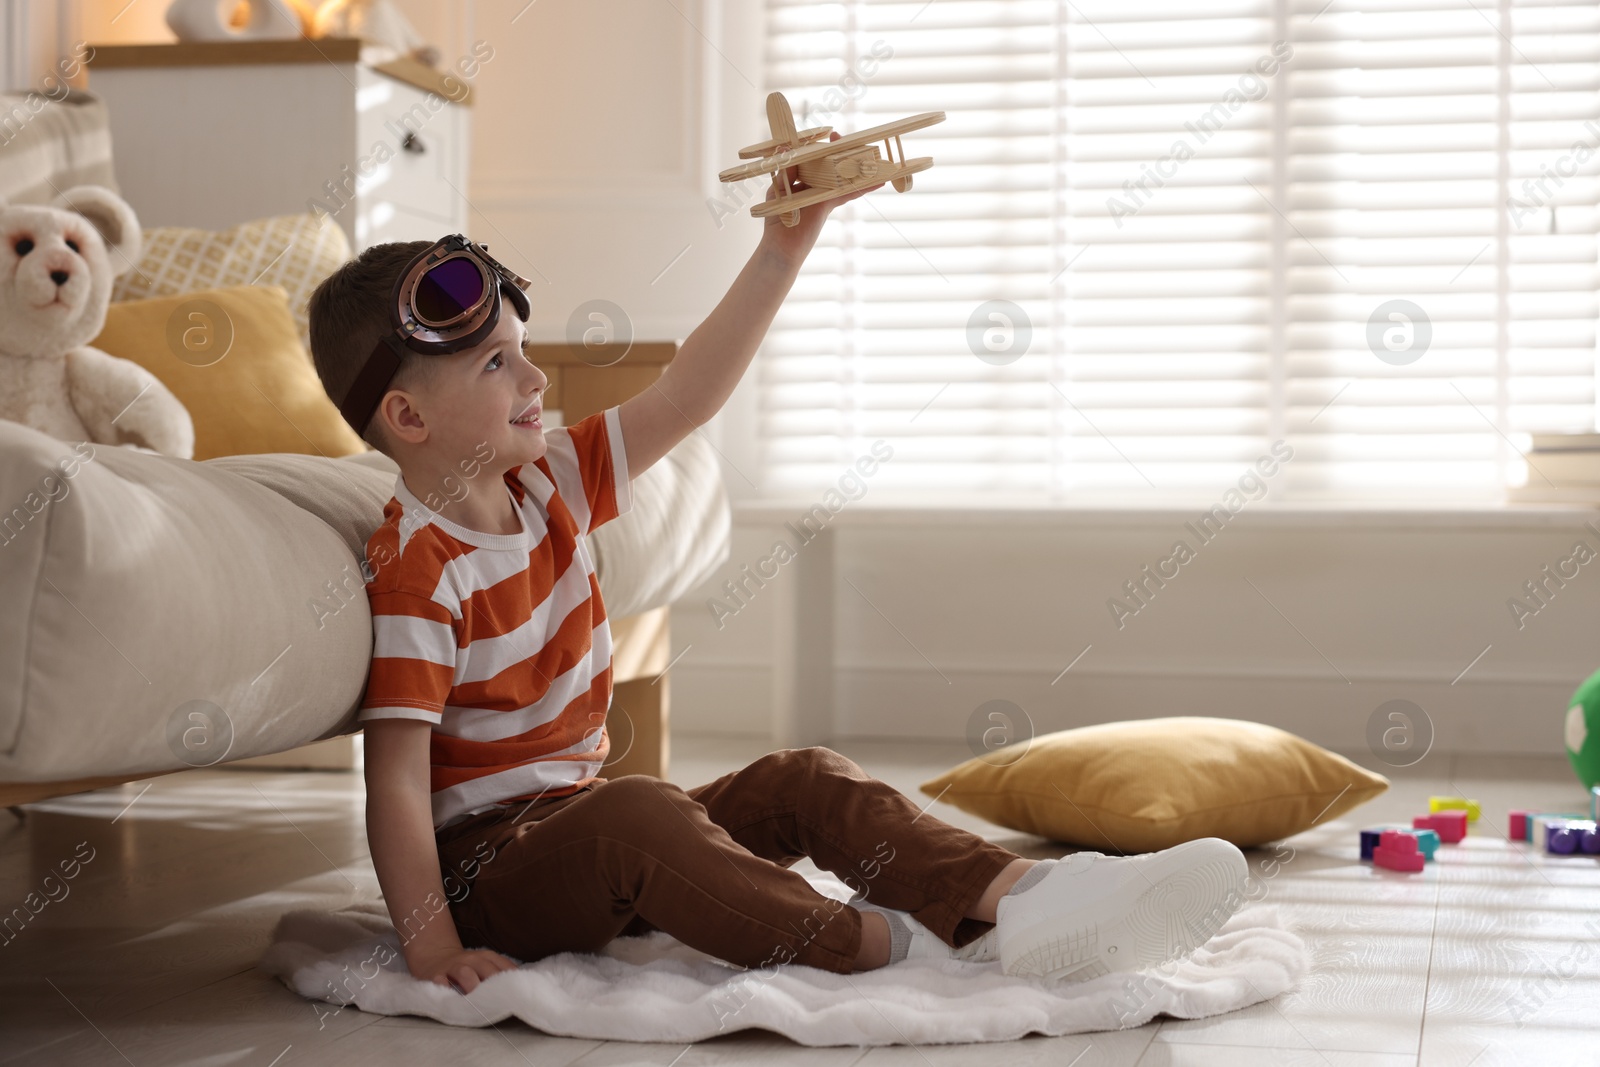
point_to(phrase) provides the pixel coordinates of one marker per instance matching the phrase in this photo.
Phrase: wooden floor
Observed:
(1489, 957)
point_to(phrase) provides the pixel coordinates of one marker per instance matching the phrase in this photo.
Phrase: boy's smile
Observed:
(478, 415)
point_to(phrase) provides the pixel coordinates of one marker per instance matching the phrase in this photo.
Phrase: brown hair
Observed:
(349, 313)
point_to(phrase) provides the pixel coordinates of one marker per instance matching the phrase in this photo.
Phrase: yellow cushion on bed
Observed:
(233, 357)
(1154, 783)
(294, 251)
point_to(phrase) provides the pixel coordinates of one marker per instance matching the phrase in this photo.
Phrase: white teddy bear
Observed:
(56, 267)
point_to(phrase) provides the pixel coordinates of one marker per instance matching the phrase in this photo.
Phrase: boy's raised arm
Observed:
(715, 356)
(406, 857)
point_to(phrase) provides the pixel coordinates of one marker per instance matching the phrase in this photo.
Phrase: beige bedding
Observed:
(136, 590)
(46, 150)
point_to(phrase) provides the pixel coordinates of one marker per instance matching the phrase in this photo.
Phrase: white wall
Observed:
(597, 139)
(1398, 604)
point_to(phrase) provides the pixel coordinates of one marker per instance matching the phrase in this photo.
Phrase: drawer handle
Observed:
(413, 143)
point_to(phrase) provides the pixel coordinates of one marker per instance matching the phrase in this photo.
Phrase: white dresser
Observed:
(215, 134)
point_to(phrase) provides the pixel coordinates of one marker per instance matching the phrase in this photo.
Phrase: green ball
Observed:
(1583, 731)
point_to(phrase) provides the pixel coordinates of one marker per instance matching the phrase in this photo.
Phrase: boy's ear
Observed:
(402, 420)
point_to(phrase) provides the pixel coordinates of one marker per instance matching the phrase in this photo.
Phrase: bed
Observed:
(149, 595)
(158, 614)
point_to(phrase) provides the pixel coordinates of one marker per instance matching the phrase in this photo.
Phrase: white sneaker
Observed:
(1093, 914)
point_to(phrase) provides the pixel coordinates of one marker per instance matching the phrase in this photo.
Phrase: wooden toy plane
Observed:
(830, 168)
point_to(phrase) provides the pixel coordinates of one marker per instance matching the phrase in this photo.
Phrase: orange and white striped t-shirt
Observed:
(500, 640)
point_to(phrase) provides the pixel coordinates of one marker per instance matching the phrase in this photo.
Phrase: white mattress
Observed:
(141, 590)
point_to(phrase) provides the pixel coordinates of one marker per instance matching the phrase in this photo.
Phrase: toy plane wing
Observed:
(793, 202)
(827, 169)
(818, 149)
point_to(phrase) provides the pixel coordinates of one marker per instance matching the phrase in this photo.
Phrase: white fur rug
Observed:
(655, 988)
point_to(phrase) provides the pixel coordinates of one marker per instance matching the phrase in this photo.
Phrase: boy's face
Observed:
(473, 398)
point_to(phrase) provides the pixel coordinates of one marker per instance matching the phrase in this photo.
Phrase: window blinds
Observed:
(1159, 237)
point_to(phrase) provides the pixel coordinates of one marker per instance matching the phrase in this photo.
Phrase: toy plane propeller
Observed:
(829, 168)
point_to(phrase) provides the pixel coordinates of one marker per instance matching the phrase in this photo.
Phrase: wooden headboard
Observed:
(600, 377)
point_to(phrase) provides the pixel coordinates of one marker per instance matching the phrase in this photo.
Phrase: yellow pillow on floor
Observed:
(233, 356)
(1154, 783)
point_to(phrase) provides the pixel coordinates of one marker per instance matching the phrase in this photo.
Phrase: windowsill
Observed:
(869, 511)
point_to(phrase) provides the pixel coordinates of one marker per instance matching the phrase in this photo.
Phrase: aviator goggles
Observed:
(447, 299)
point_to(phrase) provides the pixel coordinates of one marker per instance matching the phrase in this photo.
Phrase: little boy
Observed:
(491, 678)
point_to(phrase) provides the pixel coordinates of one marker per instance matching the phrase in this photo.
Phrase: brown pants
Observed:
(709, 865)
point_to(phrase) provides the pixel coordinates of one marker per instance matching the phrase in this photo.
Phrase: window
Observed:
(1158, 238)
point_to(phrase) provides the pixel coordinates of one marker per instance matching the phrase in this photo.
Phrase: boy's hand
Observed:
(462, 968)
(794, 243)
(712, 359)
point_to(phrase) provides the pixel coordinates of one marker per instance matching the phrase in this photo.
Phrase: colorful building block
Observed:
(1471, 807)
(1427, 840)
(1372, 836)
(1565, 838)
(1591, 842)
(1539, 823)
(1533, 825)
(1398, 851)
(1560, 839)
(1451, 826)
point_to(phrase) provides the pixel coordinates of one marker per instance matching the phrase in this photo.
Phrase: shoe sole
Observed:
(1191, 895)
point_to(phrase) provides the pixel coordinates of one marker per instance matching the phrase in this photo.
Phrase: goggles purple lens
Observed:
(447, 299)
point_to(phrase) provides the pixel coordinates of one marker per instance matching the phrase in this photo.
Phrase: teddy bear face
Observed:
(57, 263)
(55, 280)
